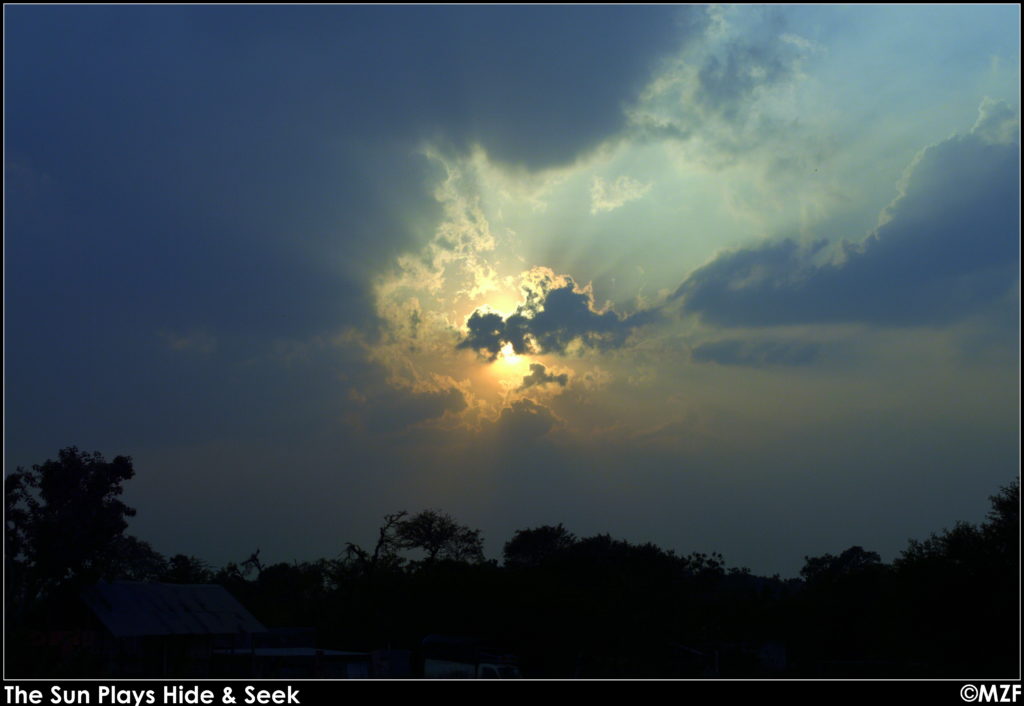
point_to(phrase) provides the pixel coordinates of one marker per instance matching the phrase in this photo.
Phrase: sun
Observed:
(507, 355)
(509, 368)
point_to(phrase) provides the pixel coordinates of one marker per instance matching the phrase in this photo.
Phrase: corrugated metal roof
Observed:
(129, 609)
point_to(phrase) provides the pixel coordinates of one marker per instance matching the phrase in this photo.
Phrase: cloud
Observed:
(194, 341)
(535, 86)
(528, 105)
(539, 376)
(719, 90)
(525, 420)
(946, 247)
(551, 321)
(393, 410)
(608, 196)
(729, 78)
(997, 122)
(756, 353)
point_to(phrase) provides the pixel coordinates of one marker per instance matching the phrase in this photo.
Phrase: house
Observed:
(164, 630)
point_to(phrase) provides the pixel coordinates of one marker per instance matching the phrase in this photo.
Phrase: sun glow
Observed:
(508, 355)
(509, 368)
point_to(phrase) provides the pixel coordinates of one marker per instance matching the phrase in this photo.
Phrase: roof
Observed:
(129, 609)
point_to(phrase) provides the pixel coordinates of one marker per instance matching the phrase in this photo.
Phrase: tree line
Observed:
(570, 606)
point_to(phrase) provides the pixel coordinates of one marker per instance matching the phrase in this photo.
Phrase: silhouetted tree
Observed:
(960, 588)
(16, 544)
(131, 559)
(830, 568)
(705, 565)
(960, 546)
(229, 575)
(186, 569)
(385, 555)
(441, 537)
(291, 594)
(532, 547)
(1002, 530)
(65, 522)
(990, 546)
(253, 562)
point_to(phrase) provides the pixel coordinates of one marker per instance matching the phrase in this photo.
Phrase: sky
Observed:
(742, 279)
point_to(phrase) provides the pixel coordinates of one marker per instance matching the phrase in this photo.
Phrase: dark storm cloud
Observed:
(756, 353)
(540, 376)
(195, 179)
(535, 86)
(948, 247)
(550, 324)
